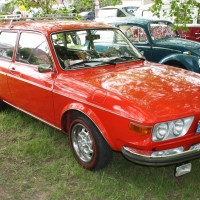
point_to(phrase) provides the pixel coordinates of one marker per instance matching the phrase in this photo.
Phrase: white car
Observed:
(116, 11)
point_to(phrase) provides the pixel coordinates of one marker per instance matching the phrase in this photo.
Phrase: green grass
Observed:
(36, 163)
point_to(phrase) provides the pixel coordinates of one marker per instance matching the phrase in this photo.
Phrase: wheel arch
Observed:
(70, 113)
(175, 63)
(175, 60)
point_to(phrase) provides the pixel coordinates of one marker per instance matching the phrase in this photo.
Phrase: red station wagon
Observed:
(89, 81)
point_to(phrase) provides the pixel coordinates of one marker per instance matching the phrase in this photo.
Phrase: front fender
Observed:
(190, 62)
(84, 109)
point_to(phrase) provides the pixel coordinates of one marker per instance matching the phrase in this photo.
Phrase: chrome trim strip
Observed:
(148, 160)
(166, 49)
(40, 119)
(161, 48)
(146, 47)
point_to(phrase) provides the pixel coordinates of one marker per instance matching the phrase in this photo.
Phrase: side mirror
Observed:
(45, 68)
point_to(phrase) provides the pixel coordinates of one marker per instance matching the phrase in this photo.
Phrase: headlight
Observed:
(178, 127)
(171, 129)
(161, 131)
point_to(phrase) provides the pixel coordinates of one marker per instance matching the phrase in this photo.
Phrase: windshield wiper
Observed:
(108, 62)
(87, 62)
(125, 58)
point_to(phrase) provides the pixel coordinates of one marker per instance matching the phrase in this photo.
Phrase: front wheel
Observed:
(88, 145)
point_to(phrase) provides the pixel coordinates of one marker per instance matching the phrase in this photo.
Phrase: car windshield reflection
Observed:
(94, 46)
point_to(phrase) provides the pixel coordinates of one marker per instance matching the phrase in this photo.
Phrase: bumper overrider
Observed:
(161, 158)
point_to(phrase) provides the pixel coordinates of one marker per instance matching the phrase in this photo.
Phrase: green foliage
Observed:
(44, 4)
(110, 3)
(182, 12)
(85, 5)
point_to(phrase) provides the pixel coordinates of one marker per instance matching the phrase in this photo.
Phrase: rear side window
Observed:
(33, 49)
(135, 34)
(7, 44)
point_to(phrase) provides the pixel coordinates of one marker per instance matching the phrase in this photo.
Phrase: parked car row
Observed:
(110, 11)
(89, 81)
(193, 32)
(117, 11)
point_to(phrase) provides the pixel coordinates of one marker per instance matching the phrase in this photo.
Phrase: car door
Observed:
(32, 90)
(139, 38)
(7, 46)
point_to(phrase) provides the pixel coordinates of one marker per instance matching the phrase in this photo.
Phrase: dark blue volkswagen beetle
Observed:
(159, 42)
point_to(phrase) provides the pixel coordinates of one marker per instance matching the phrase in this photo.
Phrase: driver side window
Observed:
(33, 49)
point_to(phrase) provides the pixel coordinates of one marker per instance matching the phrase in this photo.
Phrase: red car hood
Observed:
(162, 91)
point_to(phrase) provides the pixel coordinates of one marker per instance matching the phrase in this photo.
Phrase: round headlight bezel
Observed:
(178, 127)
(162, 131)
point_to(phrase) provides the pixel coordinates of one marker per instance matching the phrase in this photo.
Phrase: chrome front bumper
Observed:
(147, 158)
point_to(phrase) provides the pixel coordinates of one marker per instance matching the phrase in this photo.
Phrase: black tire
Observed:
(2, 105)
(176, 64)
(88, 145)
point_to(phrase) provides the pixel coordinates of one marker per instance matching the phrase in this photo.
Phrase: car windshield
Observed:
(161, 30)
(93, 47)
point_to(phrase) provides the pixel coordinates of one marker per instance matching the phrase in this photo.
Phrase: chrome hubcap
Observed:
(82, 143)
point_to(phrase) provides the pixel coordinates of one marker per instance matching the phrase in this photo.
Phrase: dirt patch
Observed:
(4, 194)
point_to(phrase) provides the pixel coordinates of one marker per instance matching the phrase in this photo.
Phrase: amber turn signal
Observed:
(144, 130)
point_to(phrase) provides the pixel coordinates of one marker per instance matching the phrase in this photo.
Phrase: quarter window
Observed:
(120, 14)
(7, 44)
(33, 49)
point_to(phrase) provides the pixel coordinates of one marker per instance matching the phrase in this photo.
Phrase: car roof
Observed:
(119, 6)
(135, 20)
(50, 26)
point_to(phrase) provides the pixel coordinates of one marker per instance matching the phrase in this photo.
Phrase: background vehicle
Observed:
(116, 11)
(193, 32)
(159, 43)
(87, 15)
